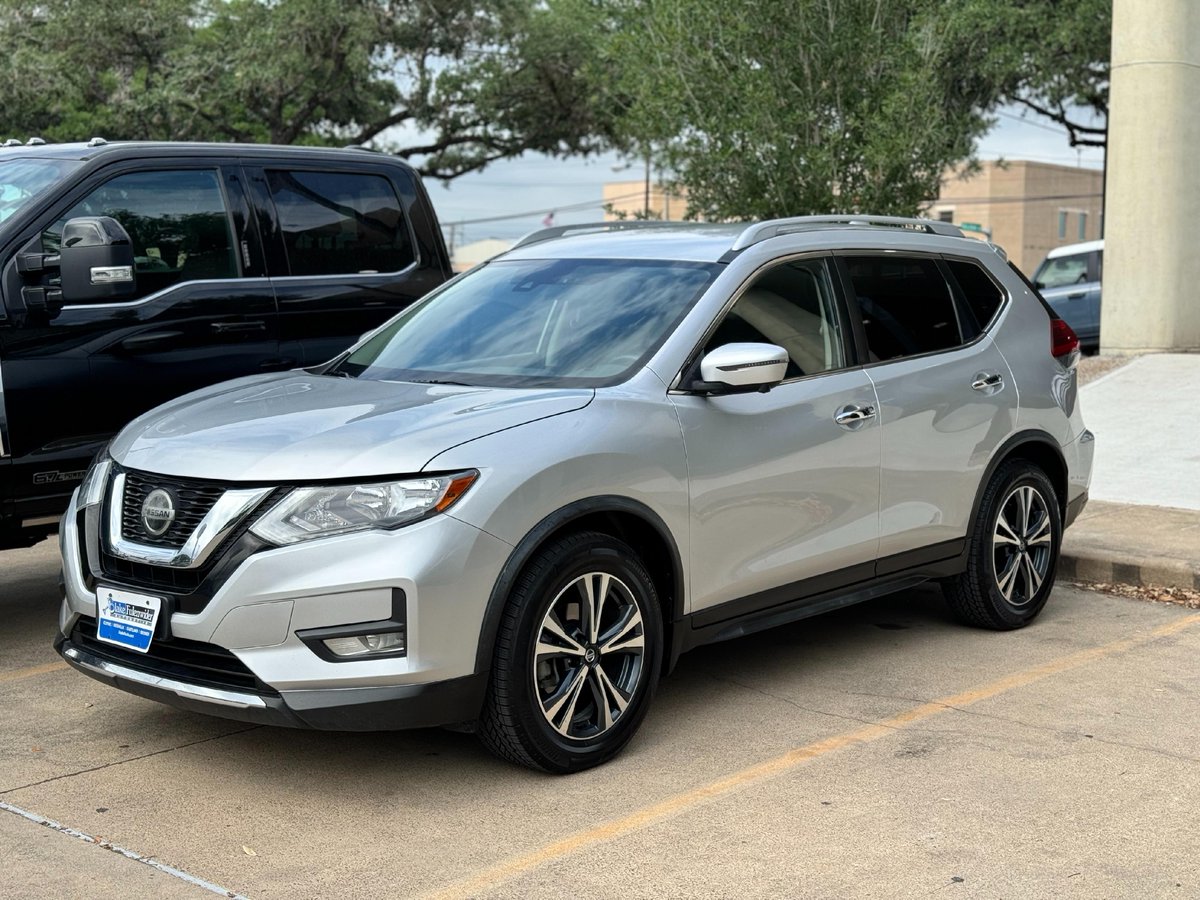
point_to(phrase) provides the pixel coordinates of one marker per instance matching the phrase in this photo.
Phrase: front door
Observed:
(784, 499)
(74, 378)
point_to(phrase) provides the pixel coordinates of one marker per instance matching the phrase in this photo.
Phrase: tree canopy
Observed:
(466, 81)
(757, 107)
(779, 107)
(766, 108)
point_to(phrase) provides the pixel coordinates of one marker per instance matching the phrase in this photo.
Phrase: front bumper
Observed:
(442, 569)
(384, 708)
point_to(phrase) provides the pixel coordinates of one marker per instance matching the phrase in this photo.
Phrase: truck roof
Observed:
(97, 148)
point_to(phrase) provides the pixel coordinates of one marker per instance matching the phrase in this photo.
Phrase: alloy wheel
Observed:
(1022, 542)
(589, 656)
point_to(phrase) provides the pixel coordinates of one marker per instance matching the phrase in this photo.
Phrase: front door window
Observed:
(178, 222)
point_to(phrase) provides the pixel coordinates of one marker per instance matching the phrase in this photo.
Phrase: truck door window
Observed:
(338, 223)
(178, 222)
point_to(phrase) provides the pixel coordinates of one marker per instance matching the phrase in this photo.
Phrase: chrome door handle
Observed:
(982, 382)
(853, 416)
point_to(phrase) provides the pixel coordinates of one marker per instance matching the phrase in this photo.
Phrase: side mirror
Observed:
(96, 260)
(741, 368)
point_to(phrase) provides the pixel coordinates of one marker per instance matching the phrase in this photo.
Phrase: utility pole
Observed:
(646, 200)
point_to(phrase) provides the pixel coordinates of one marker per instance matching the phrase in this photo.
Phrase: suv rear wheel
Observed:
(1013, 552)
(577, 656)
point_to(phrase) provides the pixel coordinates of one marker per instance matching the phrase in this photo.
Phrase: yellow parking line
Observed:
(650, 815)
(30, 671)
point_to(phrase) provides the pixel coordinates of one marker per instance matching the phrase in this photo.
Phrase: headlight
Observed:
(313, 512)
(91, 491)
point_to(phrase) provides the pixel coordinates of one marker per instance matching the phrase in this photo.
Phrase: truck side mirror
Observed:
(96, 260)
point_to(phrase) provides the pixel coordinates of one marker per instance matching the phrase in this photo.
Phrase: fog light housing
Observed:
(387, 643)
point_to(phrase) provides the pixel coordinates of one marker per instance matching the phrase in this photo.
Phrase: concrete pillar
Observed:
(1151, 293)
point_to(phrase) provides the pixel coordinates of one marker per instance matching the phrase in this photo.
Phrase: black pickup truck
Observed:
(131, 273)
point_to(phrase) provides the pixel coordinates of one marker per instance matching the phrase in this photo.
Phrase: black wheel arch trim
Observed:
(1005, 450)
(537, 535)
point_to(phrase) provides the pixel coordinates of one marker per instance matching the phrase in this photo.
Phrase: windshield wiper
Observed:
(437, 381)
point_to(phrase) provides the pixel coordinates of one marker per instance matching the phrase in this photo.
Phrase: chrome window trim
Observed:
(93, 663)
(257, 281)
(213, 528)
(344, 275)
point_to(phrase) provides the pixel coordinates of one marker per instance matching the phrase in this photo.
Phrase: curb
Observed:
(1115, 568)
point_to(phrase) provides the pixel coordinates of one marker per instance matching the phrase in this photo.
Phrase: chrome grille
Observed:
(192, 502)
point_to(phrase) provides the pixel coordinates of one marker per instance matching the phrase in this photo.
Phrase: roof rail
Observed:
(761, 231)
(557, 231)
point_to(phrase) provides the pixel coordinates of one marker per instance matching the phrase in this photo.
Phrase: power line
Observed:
(946, 201)
(572, 207)
(1060, 130)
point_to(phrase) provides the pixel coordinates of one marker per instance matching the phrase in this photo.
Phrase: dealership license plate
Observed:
(126, 619)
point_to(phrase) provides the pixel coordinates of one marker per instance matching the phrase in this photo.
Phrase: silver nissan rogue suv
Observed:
(518, 502)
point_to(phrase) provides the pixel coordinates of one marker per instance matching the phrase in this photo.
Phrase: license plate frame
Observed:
(127, 619)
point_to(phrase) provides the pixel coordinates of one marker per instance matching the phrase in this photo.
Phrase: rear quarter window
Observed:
(981, 294)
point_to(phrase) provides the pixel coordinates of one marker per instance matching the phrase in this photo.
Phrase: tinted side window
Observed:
(980, 292)
(792, 306)
(177, 220)
(338, 223)
(906, 306)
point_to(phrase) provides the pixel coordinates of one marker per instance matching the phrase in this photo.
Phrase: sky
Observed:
(519, 193)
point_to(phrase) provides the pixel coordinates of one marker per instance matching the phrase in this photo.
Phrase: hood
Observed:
(300, 427)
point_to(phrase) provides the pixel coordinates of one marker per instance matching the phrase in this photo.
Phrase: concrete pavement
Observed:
(879, 750)
(1142, 526)
(1147, 432)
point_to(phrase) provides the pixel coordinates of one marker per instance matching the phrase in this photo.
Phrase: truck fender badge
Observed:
(58, 477)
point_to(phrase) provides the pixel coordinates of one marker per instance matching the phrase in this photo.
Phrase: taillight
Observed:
(1063, 342)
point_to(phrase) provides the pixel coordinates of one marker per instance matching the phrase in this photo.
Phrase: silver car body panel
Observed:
(800, 492)
(301, 427)
(755, 491)
(939, 434)
(445, 568)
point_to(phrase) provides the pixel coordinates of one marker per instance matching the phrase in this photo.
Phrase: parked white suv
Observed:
(517, 503)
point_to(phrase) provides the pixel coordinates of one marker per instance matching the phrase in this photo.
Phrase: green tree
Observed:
(1050, 56)
(462, 82)
(782, 107)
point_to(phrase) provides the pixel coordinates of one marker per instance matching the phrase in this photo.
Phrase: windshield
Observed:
(1061, 271)
(23, 179)
(536, 323)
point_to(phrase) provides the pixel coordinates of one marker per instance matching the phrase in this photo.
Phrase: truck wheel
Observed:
(1012, 551)
(577, 656)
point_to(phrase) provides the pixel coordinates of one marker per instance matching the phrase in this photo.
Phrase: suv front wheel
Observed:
(1012, 553)
(577, 657)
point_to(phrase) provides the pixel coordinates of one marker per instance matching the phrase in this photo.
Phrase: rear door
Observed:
(946, 396)
(342, 250)
(203, 312)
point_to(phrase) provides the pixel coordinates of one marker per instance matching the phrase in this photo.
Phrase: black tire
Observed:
(515, 723)
(976, 596)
